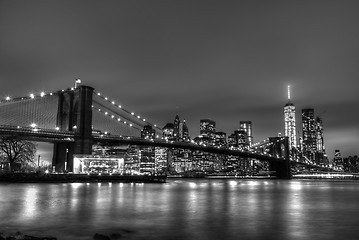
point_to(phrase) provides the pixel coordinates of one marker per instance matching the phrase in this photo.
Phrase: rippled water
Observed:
(184, 209)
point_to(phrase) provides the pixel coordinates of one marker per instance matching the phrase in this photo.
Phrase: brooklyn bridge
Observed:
(77, 118)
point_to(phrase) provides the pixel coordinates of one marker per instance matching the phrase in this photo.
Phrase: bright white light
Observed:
(155, 125)
(119, 106)
(118, 119)
(132, 113)
(57, 128)
(105, 98)
(138, 117)
(144, 120)
(99, 94)
(72, 89)
(42, 94)
(32, 95)
(130, 124)
(46, 171)
(112, 116)
(50, 93)
(288, 92)
(106, 113)
(124, 122)
(99, 110)
(113, 102)
(105, 132)
(8, 98)
(92, 106)
(74, 127)
(33, 125)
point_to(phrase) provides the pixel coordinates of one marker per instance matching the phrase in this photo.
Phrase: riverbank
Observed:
(69, 178)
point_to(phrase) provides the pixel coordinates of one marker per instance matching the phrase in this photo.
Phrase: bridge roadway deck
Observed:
(48, 135)
(37, 134)
(183, 145)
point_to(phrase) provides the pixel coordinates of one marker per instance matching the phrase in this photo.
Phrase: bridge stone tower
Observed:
(280, 148)
(74, 114)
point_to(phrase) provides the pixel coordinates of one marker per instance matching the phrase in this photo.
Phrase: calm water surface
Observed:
(184, 209)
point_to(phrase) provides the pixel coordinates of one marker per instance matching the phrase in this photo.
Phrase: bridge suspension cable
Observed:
(40, 110)
(121, 111)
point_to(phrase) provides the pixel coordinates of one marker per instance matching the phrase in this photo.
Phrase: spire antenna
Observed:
(288, 92)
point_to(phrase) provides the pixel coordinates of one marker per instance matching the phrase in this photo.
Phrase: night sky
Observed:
(223, 60)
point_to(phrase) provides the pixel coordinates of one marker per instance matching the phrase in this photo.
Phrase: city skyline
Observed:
(227, 62)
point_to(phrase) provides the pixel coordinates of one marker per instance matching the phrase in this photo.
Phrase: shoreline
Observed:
(81, 178)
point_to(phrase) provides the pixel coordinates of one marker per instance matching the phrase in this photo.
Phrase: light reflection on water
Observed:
(184, 209)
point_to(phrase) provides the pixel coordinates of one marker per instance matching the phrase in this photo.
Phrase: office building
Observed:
(207, 128)
(246, 126)
(289, 122)
(309, 133)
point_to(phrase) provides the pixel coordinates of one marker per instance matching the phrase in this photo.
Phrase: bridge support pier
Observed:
(280, 147)
(74, 114)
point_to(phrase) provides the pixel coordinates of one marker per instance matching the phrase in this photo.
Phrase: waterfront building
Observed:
(147, 153)
(238, 140)
(309, 133)
(351, 164)
(161, 160)
(132, 160)
(246, 126)
(147, 160)
(338, 160)
(289, 122)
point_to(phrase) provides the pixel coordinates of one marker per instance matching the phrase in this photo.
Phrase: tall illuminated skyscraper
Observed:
(289, 122)
(246, 126)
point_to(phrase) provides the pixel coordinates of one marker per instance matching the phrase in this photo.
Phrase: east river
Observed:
(184, 209)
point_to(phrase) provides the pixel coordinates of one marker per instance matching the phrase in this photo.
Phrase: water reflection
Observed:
(185, 209)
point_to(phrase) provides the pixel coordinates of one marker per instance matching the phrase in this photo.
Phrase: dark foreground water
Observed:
(184, 209)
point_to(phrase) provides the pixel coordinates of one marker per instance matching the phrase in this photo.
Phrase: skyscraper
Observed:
(238, 140)
(176, 128)
(246, 126)
(220, 139)
(289, 122)
(185, 134)
(207, 128)
(309, 133)
(319, 135)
